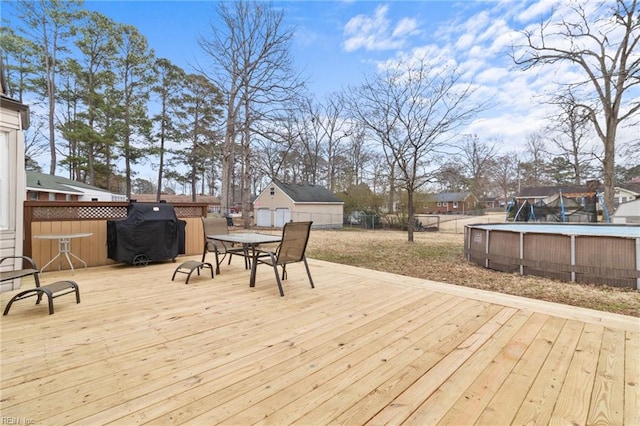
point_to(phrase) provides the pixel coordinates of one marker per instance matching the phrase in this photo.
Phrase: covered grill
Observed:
(151, 232)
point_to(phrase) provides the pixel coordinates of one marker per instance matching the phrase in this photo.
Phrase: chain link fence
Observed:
(423, 223)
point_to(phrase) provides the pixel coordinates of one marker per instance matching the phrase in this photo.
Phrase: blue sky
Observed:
(338, 42)
(327, 43)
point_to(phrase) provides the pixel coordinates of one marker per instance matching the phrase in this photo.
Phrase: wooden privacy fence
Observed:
(68, 217)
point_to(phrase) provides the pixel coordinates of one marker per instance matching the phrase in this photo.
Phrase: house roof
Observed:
(547, 191)
(571, 190)
(176, 198)
(630, 186)
(629, 208)
(49, 183)
(14, 105)
(447, 197)
(307, 193)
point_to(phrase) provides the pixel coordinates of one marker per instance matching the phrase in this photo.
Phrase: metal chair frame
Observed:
(292, 248)
(218, 226)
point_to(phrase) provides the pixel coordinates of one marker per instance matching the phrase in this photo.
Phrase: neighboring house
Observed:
(280, 203)
(14, 119)
(626, 192)
(623, 192)
(547, 194)
(494, 203)
(212, 202)
(43, 187)
(451, 202)
(628, 212)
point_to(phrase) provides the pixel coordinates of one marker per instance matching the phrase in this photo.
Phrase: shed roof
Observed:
(14, 105)
(307, 193)
(630, 186)
(572, 190)
(176, 198)
(447, 197)
(547, 191)
(50, 183)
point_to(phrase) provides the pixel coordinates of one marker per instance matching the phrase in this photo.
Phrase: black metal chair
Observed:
(51, 291)
(218, 226)
(22, 272)
(292, 248)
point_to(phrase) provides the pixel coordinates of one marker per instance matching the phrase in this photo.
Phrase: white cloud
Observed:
(406, 26)
(479, 42)
(465, 41)
(492, 75)
(537, 9)
(376, 32)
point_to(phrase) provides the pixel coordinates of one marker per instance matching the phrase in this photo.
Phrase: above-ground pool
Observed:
(586, 253)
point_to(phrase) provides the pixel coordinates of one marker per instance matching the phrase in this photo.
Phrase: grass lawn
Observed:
(439, 257)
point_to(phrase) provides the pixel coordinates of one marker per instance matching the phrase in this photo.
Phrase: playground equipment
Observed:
(558, 208)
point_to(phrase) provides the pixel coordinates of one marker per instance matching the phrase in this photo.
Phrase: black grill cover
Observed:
(151, 232)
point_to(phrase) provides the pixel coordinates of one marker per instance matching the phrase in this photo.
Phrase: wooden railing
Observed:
(68, 217)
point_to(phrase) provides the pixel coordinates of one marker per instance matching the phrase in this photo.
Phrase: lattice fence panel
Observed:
(188, 211)
(78, 213)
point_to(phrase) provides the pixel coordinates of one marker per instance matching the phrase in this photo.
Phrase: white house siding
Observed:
(628, 212)
(282, 215)
(263, 217)
(91, 194)
(323, 214)
(623, 195)
(11, 232)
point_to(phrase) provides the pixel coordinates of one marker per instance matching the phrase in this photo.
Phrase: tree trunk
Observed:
(609, 169)
(228, 159)
(246, 182)
(411, 214)
(160, 169)
(52, 124)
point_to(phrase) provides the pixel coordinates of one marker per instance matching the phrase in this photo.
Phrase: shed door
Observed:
(283, 215)
(263, 218)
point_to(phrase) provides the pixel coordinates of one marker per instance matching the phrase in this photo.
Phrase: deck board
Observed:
(363, 347)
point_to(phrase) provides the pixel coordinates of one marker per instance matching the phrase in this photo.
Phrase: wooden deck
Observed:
(363, 347)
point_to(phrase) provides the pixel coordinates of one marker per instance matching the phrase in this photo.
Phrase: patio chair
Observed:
(292, 248)
(51, 291)
(19, 273)
(57, 289)
(218, 226)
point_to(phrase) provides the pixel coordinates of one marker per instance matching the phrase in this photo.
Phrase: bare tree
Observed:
(253, 68)
(604, 47)
(450, 177)
(311, 134)
(359, 154)
(414, 111)
(569, 131)
(534, 166)
(505, 174)
(477, 158)
(278, 145)
(35, 142)
(336, 130)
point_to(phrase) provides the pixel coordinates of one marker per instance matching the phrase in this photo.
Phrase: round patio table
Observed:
(64, 247)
